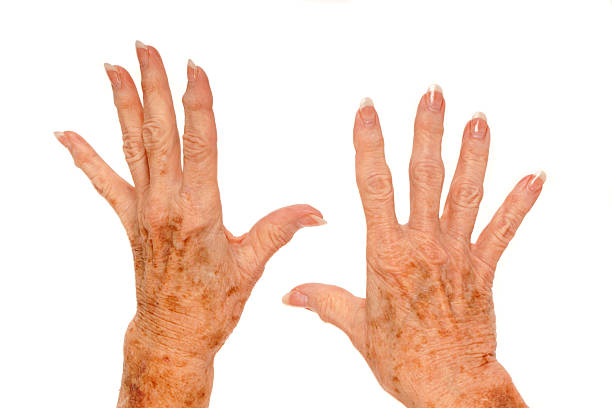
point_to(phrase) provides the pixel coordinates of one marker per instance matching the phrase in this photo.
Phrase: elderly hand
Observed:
(192, 276)
(427, 325)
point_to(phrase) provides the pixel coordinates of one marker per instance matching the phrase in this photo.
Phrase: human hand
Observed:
(193, 276)
(427, 325)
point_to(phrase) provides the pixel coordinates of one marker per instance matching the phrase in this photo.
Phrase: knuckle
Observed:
(276, 235)
(327, 307)
(156, 215)
(379, 185)
(150, 85)
(466, 194)
(195, 101)
(102, 186)
(506, 227)
(83, 159)
(132, 144)
(152, 134)
(427, 172)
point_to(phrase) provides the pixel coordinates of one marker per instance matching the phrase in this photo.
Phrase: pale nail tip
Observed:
(479, 115)
(318, 220)
(434, 88)
(286, 299)
(191, 64)
(540, 175)
(110, 67)
(58, 134)
(140, 44)
(365, 102)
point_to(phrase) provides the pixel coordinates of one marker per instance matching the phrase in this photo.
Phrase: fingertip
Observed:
(311, 220)
(366, 115)
(536, 181)
(295, 298)
(433, 99)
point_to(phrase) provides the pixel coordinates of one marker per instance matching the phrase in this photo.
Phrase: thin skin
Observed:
(427, 325)
(193, 276)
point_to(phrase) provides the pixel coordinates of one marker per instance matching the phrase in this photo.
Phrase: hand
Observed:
(192, 275)
(427, 326)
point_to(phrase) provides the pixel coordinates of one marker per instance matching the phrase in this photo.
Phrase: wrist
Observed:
(155, 375)
(490, 387)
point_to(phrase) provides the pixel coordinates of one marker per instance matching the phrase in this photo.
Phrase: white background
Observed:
(287, 78)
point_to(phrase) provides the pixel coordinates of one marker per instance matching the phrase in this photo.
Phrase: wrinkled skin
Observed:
(427, 324)
(193, 277)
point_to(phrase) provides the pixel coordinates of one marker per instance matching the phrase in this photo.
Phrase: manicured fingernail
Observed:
(142, 51)
(435, 97)
(295, 298)
(479, 125)
(537, 181)
(311, 220)
(113, 75)
(192, 71)
(61, 136)
(367, 113)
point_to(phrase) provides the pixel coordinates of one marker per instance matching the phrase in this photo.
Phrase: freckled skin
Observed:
(427, 325)
(193, 276)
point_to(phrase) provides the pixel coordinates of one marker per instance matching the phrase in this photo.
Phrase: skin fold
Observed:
(427, 325)
(193, 276)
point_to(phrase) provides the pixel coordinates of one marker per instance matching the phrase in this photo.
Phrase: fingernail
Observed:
(479, 125)
(311, 220)
(61, 136)
(192, 71)
(367, 113)
(113, 75)
(537, 181)
(142, 51)
(435, 97)
(295, 298)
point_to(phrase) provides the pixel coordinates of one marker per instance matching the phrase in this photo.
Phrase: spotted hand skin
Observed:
(193, 276)
(427, 324)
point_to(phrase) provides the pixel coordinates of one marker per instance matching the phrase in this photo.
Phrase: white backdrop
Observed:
(287, 77)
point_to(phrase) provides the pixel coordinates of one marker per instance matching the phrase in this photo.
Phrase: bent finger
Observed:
(200, 139)
(130, 112)
(119, 193)
(426, 167)
(373, 175)
(466, 189)
(275, 230)
(159, 131)
(495, 238)
(334, 305)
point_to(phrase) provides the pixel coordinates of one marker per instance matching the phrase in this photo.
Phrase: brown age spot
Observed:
(202, 255)
(175, 222)
(232, 290)
(216, 339)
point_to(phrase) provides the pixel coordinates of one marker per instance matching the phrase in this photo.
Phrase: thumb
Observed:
(276, 229)
(334, 305)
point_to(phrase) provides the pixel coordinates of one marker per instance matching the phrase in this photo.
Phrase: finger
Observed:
(119, 193)
(497, 235)
(426, 167)
(275, 230)
(159, 132)
(373, 175)
(466, 190)
(130, 112)
(199, 139)
(333, 305)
